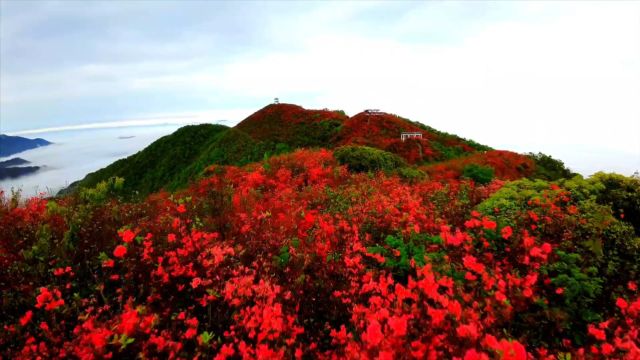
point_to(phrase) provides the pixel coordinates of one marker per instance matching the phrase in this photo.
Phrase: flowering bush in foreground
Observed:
(297, 257)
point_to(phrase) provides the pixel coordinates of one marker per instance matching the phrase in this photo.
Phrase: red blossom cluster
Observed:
(506, 164)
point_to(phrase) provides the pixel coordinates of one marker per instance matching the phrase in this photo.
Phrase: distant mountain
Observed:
(14, 172)
(175, 160)
(13, 162)
(10, 145)
(11, 168)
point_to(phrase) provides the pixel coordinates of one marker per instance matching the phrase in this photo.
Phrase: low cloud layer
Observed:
(77, 153)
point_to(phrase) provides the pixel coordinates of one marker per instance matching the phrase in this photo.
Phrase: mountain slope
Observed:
(160, 163)
(10, 145)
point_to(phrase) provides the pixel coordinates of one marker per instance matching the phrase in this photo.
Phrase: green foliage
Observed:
(399, 252)
(513, 197)
(283, 258)
(367, 159)
(479, 174)
(619, 192)
(206, 337)
(582, 289)
(621, 251)
(411, 175)
(548, 168)
(622, 193)
(448, 152)
(596, 254)
(231, 147)
(102, 191)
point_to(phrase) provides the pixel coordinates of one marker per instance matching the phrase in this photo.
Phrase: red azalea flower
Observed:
(398, 325)
(127, 236)
(373, 336)
(622, 303)
(506, 232)
(120, 251)
(26, 318)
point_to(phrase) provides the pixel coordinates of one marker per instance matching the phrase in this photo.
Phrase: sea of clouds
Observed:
(75, 153)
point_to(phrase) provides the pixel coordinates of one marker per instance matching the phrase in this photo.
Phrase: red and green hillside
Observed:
(281, 128)
(382, 130)
(346, 252)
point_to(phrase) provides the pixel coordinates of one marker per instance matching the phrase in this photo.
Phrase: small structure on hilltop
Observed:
(373, 112)
(410, 135)
(276, 101)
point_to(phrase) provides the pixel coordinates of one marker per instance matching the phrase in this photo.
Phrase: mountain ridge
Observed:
(276, 129)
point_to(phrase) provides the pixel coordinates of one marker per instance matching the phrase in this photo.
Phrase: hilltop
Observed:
(175, 160)
(293, 125)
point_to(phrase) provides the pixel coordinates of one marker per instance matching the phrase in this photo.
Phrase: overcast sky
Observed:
(560, 77)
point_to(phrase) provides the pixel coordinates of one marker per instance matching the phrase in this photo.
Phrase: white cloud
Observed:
(555, 77)
(571, 80)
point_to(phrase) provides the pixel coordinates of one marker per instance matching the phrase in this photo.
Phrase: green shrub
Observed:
(411, 175)
(479, 174)
(367, 159)
(399, 251)
(548, 168)
(595, 253)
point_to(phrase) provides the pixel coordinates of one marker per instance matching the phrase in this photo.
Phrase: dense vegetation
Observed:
(348, 252)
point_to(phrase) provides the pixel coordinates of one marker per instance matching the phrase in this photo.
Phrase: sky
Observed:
(558, 77)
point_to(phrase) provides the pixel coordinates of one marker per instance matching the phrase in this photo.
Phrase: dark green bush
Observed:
(366, 159)
(479, 174)
(411, 175)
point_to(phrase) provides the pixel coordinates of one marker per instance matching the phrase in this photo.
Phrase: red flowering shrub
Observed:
(507, 165)
(297, 257)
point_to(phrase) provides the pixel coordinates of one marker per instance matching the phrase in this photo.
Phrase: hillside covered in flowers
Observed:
(305, 234)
